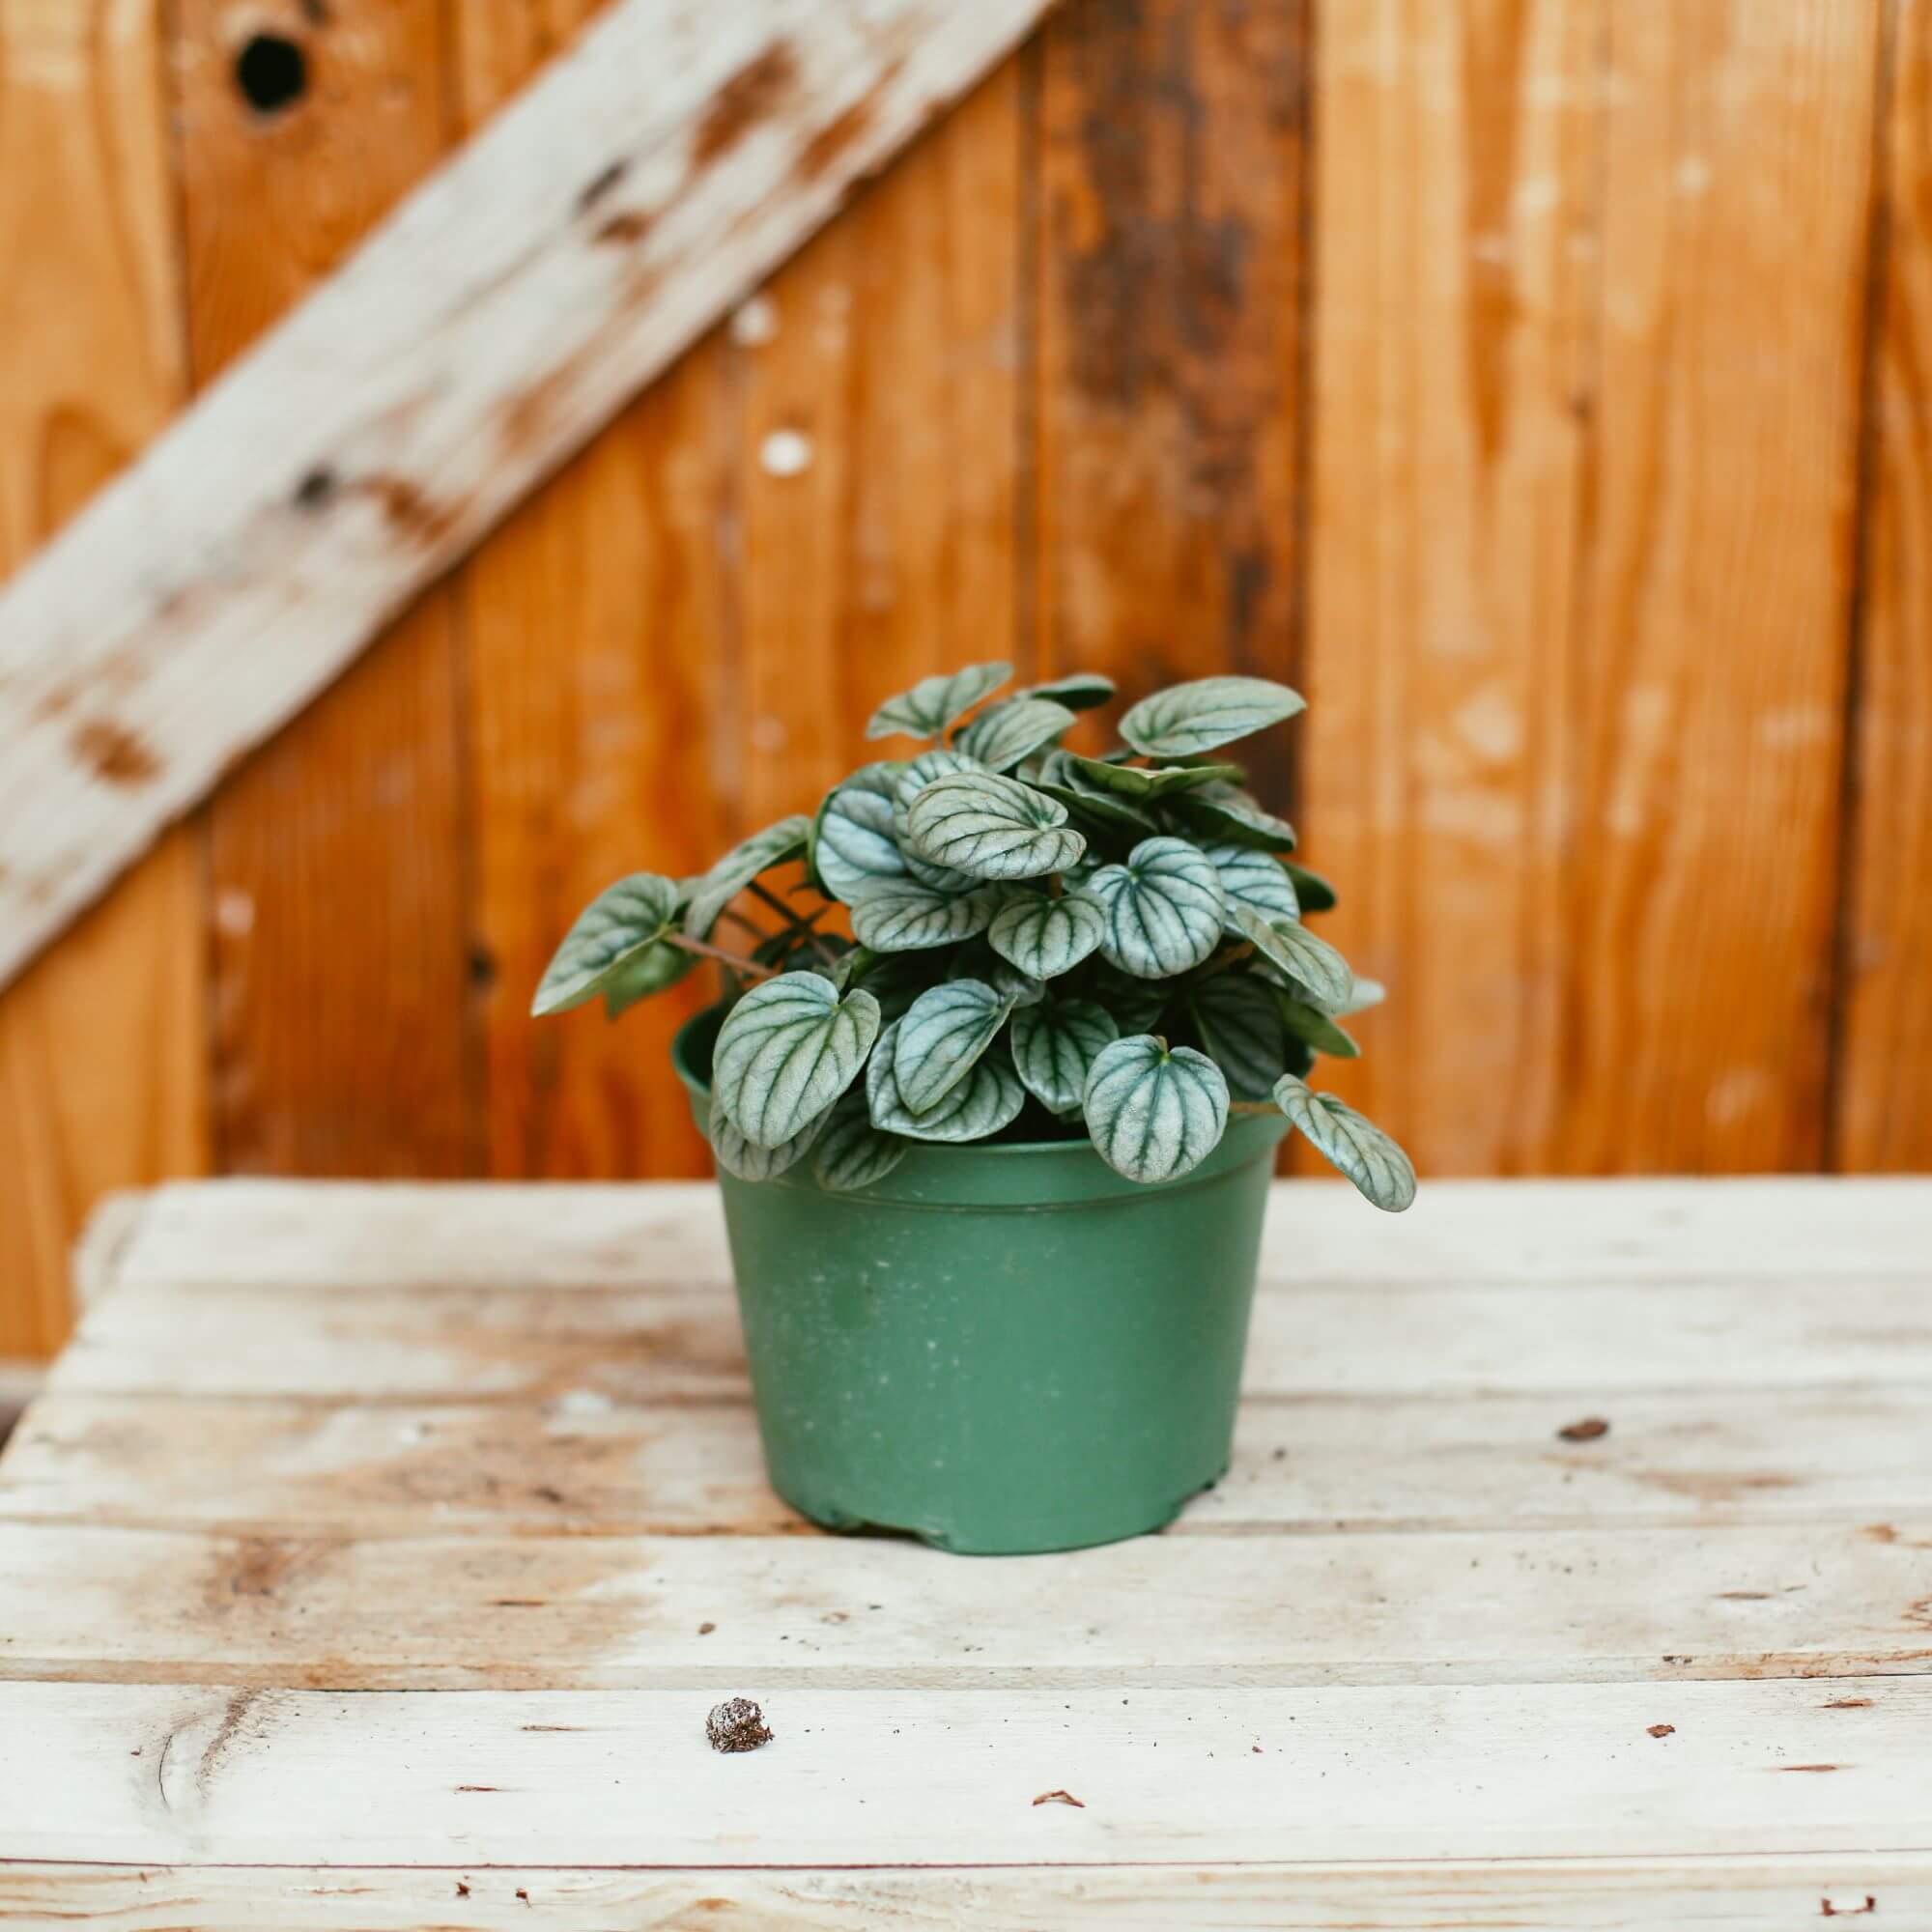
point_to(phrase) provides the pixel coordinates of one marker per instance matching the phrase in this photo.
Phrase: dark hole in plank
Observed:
(271, 70)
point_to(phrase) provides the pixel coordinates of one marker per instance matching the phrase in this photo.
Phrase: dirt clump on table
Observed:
(736, 1725)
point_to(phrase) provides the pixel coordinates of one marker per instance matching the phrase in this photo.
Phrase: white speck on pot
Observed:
(786, 452)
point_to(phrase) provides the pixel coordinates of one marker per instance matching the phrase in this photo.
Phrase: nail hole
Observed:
(272, 72)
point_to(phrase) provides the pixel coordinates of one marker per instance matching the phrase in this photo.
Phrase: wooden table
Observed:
(376, 1554)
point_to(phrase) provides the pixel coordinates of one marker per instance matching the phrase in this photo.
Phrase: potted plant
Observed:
(994, 1163)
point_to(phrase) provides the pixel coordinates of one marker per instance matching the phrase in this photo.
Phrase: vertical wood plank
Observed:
(598, 673)
(102, 1080)
(1169, 278)
(334, 855)
(1883, 1120)
(1617, 753)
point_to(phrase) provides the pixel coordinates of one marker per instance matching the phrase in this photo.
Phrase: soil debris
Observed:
(1661, 1730)
(1587, 1431)
(1059, 1798)
(736, 1725)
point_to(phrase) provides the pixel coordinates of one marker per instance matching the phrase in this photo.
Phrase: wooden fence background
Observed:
(1537, 383)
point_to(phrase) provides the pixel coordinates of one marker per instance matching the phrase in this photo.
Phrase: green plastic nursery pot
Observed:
(996, 1348)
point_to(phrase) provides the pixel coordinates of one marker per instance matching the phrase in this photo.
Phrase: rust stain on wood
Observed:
(600, 184)
(1849, 1704)
(417, 517)
(114, 753)
(748, 97)
(840, 133)
(631, 225)
(1808, 1766)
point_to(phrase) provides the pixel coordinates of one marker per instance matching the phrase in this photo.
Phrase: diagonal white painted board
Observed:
(646, 180)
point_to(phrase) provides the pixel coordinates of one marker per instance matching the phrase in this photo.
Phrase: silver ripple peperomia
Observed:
(996, 934)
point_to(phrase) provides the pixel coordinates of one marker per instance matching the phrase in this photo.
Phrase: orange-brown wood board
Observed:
(1538, 386)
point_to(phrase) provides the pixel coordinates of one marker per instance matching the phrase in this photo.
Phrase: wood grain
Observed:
(1886, 1047)
(1581, 589)
(102, 1051)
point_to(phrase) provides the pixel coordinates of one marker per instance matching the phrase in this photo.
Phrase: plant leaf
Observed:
(1352, 1142)
(941, 762)
(739, 867)
(853, 843)
(735, 1154)
(622, 922)
(1313, 892)
(641, 974)
(852, 1153)
(1315, 1029)
(1136, 782)
(1058, 777)
(1080, 692)
(1310, 962)
(986, 1101)
(943, 1032)
(1045, 936)
(904, 916)
(1164, 908)
(1155, 1114)
(1136, 1005)
(1055, 1045)
(936, 702)
(1226, 814)
(1239, 1020)
(1257, 879)
(992, 826)
(1186, 719)
(1000, 738)
(1364, 994)
(787, 1050)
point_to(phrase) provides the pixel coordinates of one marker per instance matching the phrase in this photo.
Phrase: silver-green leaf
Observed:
(852, 1153)
(904, 916)
(1055, 1045)
(1353, 1143)
(936, 702)
(991, 827)
(1001, 738)
(611, 935)
(986, 1101)
(1154, 1112)
(1188, 719)
(1135, 781)
(712, 893)
(1045, 936)
(1226, 812)
(1313, 1028)
(943, 1032)
(853, 843)
(787, 1050)
(1310, 962)
(1239, 1020)
(1256, 879)
(1364, 994)
(1164, 908)
(1059, 776)
(749, 1161)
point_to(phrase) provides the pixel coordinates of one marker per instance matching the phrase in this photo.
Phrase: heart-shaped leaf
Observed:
(936, 702)
(1310, 962)
(852, 1153)
(735, 1154)
(787, 1050)
(1164, 908)
(1055, 1045)
(1313, 892)
(1254, 879)
(711, 894)
(1045, 937)
(1002, 737)
(1136, 782)
(1224, 812)
(853, 842)
(1058, 777)
(1313, 1028)
(1187, 718)
(1154, 1112)
(992, 826)
(982, 1103)
(941, 762)
(1354, 1143)
(1239, 1020)
(622, 923)
(904, 916)
(943, 1032)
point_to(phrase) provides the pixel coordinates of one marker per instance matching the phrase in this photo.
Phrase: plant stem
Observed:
(738, 918)
(737, 964)
(799, 923)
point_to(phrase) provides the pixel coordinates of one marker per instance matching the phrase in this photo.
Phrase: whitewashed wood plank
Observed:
(1314, 1466)
(356, 1233)
(537, 1612)
(651, 176)
(1757, 1894)
(210, 1774)
(1585, 1344)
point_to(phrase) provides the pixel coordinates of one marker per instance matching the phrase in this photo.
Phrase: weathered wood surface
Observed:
(583, 239)
(466, 1569)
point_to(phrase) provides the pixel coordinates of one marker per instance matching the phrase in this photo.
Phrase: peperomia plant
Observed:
(1043, 945)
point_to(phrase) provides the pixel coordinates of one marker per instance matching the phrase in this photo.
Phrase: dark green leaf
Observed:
(1315, 1029)
(1313, 892)
(1238, 1018)
(1226, 814)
